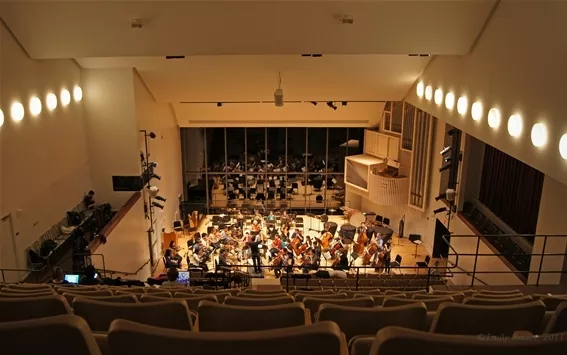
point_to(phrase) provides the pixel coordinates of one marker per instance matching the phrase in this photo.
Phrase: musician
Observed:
(255, 252)
(317, 253)
(343, 261)
(276, 246)
(387, 256)
(285, 217)
(362, 228)
(271, 216)
(172, 259)
(256, 227)
(297, 233)
(223, 264)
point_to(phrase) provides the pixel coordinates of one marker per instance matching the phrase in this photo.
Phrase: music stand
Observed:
(415, 239)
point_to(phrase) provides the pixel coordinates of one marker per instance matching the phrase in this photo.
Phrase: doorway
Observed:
(8, 253)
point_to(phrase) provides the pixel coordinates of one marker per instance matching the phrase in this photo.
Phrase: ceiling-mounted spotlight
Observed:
(314, 103)
(446, 150)
(159, 198)
(439, 210)
(155, 204)
(344, 103)
(219, 104)
(152, 135)
(445, 167)
(441, 196)
(332, 105)
(153, 191)
(155, 176)
(448, 159)
(152, 164)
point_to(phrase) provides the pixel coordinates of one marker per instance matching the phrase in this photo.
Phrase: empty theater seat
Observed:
(457, 297)
(127, 298)
(193, 300)
(431, 304)
(23, 308)
(464, 319)
(558, 322)
(299, 297)
(497, 302)
(215, 317)
(323, 338)
(273, 301)
(313, 303)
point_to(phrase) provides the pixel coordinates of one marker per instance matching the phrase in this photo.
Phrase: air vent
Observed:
(137, 23)
(174, 57)
(347, 20)
(314, 55)
(419, 55)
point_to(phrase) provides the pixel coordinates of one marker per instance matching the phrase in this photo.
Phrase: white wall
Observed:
(165, 150)
(551, 220)
(356, 114)
(127, 248)
(112, 130)
(517, 66)
(44, 160)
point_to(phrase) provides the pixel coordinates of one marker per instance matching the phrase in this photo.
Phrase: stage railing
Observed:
(507, 250)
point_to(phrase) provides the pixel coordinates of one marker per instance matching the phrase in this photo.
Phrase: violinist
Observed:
(223, 263)
(271, 217)
(387, 256)
(256, 227)
(276, 246)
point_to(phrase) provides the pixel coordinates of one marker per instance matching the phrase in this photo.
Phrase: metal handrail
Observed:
(111, 272)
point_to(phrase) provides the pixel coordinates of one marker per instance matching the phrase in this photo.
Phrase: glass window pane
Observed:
(336, 191)
(317, 149)
(356, 141)
(296, 139)
(235, 149)
(215, 149)
(255, 148)
(276, 149)
(337, 149)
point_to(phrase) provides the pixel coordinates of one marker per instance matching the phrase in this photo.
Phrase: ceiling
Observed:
(78, 29)
(254, 78)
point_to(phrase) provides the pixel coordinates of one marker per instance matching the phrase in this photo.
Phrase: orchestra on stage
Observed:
(280, 240)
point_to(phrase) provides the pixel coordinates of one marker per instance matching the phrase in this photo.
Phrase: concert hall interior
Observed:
(407, 146)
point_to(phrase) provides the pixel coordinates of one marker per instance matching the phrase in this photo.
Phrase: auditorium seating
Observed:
(185, 316)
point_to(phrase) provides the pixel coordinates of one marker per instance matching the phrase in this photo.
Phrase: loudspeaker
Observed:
(278, 98)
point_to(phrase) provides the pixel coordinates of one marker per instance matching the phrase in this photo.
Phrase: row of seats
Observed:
(34, 336)
(363, 282)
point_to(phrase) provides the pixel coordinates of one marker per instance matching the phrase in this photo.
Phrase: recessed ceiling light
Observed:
(65, 97)
(494, 118)
(515, 125)
(438, 97)
(462, 105)
(51, 101)
(428, 93)
(450, 101)
(539, 135)
(35, 106)
(17, 111)
(476, 111)
(419, 89)
(77, 94)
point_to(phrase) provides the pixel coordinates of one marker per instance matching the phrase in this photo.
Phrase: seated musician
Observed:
(172, 259)
(276, 247)
(256, 227)
(198, 260)
(173, 246)
(297, 233)
(224, 234)
(343, 261)
(271, 216)
(285, 217)
(362, 228)
(223, 263)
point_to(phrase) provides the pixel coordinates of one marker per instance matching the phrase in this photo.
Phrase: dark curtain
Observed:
(511, 190)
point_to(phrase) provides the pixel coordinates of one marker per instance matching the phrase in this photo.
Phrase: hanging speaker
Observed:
(278, 97)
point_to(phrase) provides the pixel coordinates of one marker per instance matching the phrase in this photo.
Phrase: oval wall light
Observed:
(449, 101)
(476, 111)
(563, 146)
(428, 93)
(539, 135)
(17, 111)
(65, 97)
(419, 89)
(35, 106)
(515, 125)
(51, 101)
(438, 96)
(494, 118)
(462, 105)
(1, 118)
(77, 94)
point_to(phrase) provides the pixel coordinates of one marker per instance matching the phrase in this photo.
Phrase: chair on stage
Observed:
(422, 264)
(397, 263)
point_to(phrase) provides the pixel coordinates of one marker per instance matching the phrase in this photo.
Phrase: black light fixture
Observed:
(152, 164)
(448, 159)
(344, 103)
(219, 104)
(155, 176)
(445, 167)
(152, 135)
(439, 210)
(331, 104)
(441, 196)
(155, 204)
(446, 150)
(314, 103)
(159, 198)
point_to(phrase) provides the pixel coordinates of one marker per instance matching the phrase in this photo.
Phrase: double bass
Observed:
(360, 243)
(373, 249)
(326, 239)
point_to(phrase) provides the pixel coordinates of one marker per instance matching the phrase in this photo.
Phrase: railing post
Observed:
(428, 275)
(475, 260)
(287, 279)
(541, 260)
(3, 277)
(357, 277)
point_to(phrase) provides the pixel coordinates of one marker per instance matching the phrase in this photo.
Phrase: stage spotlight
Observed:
(344, 103)
(314, 103)
(448, 159)
(219, 104)
(441, 196)
(152, 135)
(444, 167)
(446, 150)
(331, 105)
(155, 176)
(155, 204)
(159, 198)
(439, 210)
(152, 164)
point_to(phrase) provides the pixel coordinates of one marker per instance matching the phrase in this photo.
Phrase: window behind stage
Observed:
(295, 168)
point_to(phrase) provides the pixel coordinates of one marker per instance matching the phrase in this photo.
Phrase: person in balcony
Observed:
(91, 277)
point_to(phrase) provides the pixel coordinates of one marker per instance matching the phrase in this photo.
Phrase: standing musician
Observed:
(342, 260)
(255, 252)
(387, 256)
(362, 228)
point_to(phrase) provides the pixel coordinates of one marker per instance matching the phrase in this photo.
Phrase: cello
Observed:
(366, 260)
(360, 243)
(326, 239)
